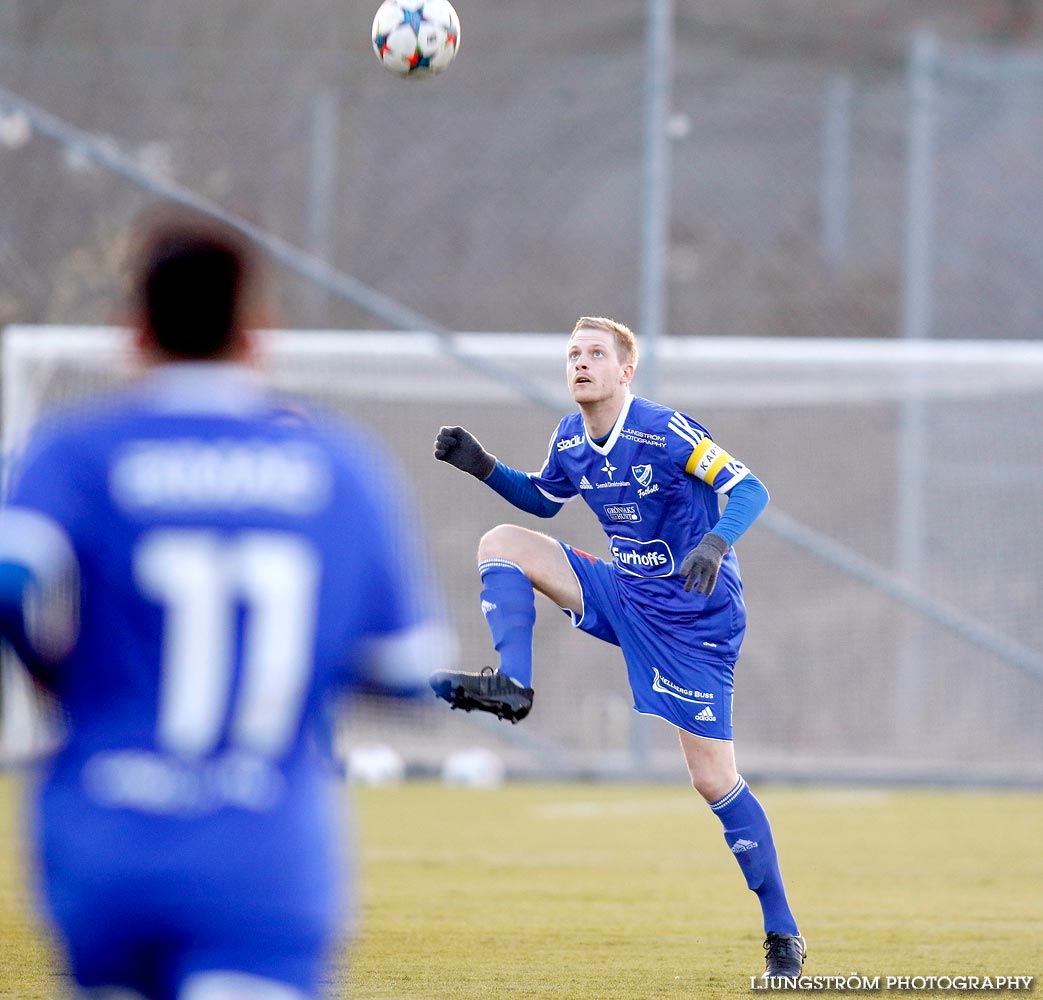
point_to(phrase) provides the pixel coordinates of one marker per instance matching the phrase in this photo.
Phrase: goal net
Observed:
(893, 585)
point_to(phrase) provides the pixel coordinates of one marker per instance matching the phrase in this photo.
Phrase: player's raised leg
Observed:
(513, 563)
(711, 765)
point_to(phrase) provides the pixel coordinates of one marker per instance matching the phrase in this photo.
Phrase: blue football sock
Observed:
(509, 606)
(748, 834)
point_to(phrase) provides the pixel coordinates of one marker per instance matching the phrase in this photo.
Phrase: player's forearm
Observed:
(747, 499)
(398, 664)
(518, 489)
(39, 589)
(15, 583)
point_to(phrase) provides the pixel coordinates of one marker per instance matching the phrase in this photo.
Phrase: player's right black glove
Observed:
(462, 449)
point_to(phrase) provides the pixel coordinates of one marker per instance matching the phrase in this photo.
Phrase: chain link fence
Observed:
(506, 194)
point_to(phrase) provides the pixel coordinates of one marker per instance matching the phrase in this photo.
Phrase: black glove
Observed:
(461, 448)
(703, 564)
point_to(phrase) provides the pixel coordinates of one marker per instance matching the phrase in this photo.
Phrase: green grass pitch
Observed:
(577, 891)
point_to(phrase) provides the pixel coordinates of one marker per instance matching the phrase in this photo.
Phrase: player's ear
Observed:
(144, 342)
(245, 344)
(259, 312)
(627, 373)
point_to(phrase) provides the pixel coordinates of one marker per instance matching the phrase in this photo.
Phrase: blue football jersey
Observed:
(209, 568)
(654, 485)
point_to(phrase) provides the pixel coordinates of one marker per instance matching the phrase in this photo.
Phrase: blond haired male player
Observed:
(670, 597)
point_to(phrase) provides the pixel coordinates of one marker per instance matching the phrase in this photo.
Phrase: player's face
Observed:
(593, 368)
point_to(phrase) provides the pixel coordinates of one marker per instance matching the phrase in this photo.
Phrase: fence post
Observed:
(835, 194)
(322, 186)
(919, 219)
(655, 188)
(910, 672)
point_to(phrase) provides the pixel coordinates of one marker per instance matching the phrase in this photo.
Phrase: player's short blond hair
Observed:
(626, 342)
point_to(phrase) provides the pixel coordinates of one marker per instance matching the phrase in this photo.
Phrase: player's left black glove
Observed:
(703, 563)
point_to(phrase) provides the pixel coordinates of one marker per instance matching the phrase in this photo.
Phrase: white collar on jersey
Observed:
(223, 387)
(617, 427)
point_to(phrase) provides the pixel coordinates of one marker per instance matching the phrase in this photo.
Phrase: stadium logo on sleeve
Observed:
(565, 443)
(637, 558)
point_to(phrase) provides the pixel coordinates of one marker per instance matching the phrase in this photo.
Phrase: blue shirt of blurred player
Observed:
(192, 575)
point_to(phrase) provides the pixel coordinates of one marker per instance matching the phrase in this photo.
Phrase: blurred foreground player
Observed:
(671, 597)
(193, 575)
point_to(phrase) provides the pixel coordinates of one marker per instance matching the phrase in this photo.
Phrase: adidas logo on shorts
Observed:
(706, 715)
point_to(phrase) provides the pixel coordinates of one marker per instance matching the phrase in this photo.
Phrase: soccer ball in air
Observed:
(416, 37)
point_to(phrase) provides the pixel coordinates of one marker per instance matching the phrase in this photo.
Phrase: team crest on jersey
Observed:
(642, 473)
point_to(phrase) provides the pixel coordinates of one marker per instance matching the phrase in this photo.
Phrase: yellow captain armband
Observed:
(707, 460)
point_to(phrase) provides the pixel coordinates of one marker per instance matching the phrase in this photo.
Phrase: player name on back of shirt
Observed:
(191, 473)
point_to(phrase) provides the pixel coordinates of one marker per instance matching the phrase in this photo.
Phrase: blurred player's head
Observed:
(626, 342)
(193, 291)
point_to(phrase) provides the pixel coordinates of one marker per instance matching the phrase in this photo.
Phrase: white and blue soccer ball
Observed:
(416, 37)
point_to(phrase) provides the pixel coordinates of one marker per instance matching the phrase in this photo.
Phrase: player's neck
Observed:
(600, 417)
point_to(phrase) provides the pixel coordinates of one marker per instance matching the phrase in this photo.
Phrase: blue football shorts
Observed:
(670, 675)
(148, 902)
(111, 940)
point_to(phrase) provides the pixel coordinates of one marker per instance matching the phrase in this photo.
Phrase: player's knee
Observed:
(505, 541)
(712, 783)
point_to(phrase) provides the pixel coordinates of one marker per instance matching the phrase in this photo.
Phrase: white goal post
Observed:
(893, 465)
